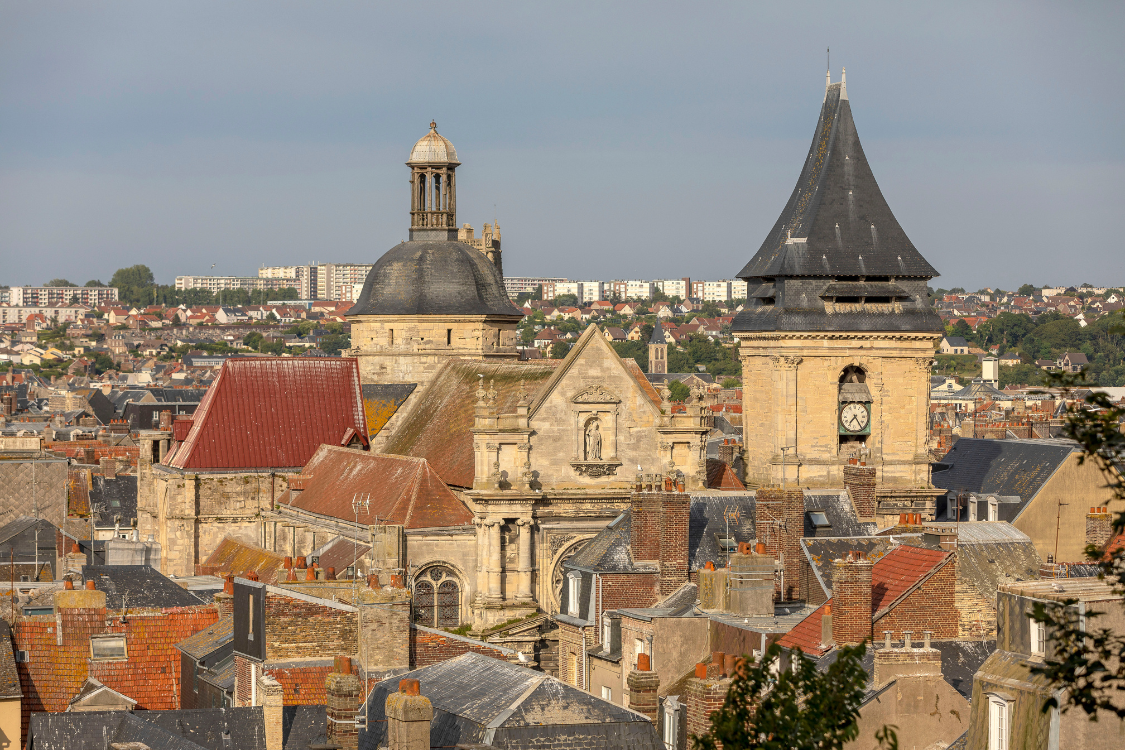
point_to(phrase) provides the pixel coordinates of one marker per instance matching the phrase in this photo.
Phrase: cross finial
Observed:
(433, 125)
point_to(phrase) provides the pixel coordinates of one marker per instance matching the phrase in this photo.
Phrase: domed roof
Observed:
(433, 149)
(434, 278)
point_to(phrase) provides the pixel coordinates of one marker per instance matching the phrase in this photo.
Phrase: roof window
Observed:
(107, 648)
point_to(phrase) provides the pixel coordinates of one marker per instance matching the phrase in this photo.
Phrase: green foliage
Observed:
(1087, 667)
(135, 285)
(636, 350)
(93, 283)
(1027, 290)
(680, 392)
(102, 362)
(957, 365)
(334, 343)
(800, 708)
(60, 282)
(1020, 375)
(559, 349)
(731, 383)
(565, 300)
(960, 328)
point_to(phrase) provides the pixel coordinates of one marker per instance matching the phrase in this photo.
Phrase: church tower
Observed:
(837, 337)
(657, 351)
(432, 298)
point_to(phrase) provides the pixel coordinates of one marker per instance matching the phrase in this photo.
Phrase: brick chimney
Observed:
(109, 467)
(224, 600)
(408, 718)
(166, 421)
(851, 599)
(779, 521)
(342, 689)
(643, 686)
(703, 695)
(1099, 527)
(659, 534)
(272, 698)
(859, 480)
(727, 451)
(81, 614)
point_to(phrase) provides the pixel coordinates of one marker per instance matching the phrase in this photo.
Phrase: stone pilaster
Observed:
(494, 562)
(523, 591)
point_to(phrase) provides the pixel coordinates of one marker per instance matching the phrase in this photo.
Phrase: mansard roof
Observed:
(836, 222)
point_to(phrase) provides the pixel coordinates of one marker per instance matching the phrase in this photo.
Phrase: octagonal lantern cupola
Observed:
(433, 188)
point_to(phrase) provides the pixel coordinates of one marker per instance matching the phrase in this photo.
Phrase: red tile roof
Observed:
(402, 490)
(272, 412)
(721, 477)
(892, 576)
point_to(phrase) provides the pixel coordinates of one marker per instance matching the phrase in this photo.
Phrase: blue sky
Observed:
(611, 140)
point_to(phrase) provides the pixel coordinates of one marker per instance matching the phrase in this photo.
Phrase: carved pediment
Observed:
(595, 394)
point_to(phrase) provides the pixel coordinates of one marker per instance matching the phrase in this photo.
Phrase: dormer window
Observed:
(574, 592)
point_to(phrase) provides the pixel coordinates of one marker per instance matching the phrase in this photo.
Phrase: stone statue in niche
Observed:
(593, 441)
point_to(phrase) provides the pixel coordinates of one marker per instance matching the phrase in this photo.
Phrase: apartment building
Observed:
(223, 283)
(303, 277)
(336, 281)
(55, 296)
(674, 287)
(516, 285)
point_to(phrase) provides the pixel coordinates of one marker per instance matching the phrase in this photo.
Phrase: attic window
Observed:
(38, 611)
(819, 519)
(108, 647)
(727, 544)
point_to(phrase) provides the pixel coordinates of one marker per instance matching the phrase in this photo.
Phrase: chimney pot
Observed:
(228, 585)
(397, 581)
(252, 575)
(644, 664)
(301, 562)
(90, 586)
(887, 638)
(331, 576)
(926, 634)
(409, 687)
(709, 565)
(729, 661)
(718, 659)
(701, 671)
(760, 548)
(74, 549)
(373, 581)
(68, 585)
(288, 562)
(906, 638)
(292, 575)
(310, 574)
(342, 665)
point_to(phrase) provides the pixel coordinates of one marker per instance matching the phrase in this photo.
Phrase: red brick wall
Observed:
(244, 677)
(702, 698)
(296, 629)
(125, 455)
(779, 523)
(860, 483)
(572, 643)
(931, 607)
(428, 647)
(851, 600)
(644, 532)
(675, 515)
(620, 590)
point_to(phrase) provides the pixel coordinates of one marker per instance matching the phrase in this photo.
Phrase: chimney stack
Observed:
(1099, 527)
(851, 599)
(408, 718)
(343, 698)
(779, 518)
(109, 467)
(272, 698)
(859, 481)
(643, 687)
(659, 531)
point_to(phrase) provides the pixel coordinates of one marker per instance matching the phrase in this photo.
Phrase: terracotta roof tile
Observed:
(721, 477)
(403, 490)
(272, 412)
(235, 557)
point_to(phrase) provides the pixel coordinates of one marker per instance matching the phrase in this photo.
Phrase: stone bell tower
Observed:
(657, 351)
(433, 188)
(838, 335)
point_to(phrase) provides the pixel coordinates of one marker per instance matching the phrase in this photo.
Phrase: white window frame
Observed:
(993, 511)
(999, 722)
(574, 593)
(108, 639)
(607, 693)
(1038, 638)
(607, 633)
(638, 649)
(669, 727)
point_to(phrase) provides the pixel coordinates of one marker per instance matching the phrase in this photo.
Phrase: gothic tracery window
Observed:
(437, 598)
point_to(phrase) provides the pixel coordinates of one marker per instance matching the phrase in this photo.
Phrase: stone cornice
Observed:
(837, 336)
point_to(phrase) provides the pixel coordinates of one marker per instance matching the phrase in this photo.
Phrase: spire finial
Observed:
(433, 125)
(843, 83)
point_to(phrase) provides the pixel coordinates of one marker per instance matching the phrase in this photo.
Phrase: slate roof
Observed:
(477, 698)
(402, 490)
(657, 336)
(381, 401)
(834, 204)
(437, 428)
(821, 552)
(272, 412)
(206, 641)
(960, 659)
(434, 278)
(838, 227)
(113, 497)
(892, 576)
(1001, 467)
(175, 730)
(235, 557)
(139, 586)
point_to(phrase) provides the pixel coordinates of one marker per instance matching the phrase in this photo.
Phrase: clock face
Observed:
(854, 417)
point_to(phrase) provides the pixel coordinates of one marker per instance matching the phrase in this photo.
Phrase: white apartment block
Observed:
(674, 287)
(638, 289)
(222, 283)
(334, 281)
(57, 296)
(304, 277)
(64, 314)
(716, 291)
(739, 289)
(516, 285)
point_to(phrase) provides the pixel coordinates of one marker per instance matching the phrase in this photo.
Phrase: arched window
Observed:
(853, 374)
(437, 598)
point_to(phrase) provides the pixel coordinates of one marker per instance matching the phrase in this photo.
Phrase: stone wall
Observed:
(296, 628)
(790, 398)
